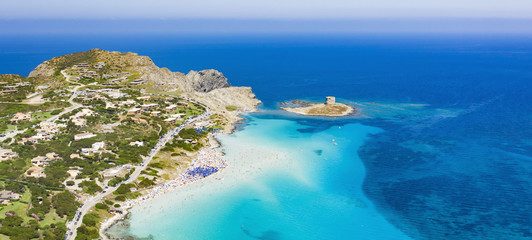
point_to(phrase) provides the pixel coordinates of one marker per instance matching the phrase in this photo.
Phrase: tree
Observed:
(40, 204)
(91, 219)
(123, 189)
(90, 187)
(146, 183)
(65, 204)
(12, 226)
(120, 198)
(55, 112)
(101, 206)
(16, 187)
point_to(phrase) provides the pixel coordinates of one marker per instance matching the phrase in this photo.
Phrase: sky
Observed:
(264, 16)
(263, 9)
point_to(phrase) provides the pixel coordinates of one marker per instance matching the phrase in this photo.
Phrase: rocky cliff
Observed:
(207, 80)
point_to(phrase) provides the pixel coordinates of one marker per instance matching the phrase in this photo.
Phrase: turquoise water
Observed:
(282, 183)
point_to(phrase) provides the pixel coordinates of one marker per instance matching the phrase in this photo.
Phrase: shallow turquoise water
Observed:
(281, 183)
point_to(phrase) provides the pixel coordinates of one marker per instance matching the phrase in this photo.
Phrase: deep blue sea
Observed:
(444, 140)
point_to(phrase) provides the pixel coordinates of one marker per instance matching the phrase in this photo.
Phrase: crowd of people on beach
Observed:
(208, 162)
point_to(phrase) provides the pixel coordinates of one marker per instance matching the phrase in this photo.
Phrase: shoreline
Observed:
(184, 179)
(174, 184)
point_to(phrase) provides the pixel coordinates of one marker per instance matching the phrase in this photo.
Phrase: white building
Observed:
(84, 136)
(96, 148)
(21, 117)
(171, 108)
(136, 143)
(133, 111)
(7, 154)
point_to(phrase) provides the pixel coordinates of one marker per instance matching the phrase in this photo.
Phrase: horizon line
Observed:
(227, 26)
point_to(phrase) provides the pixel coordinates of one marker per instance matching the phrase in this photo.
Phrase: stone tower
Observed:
(330, 100)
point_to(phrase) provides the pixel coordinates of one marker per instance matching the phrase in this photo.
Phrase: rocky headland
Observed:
(209, 86)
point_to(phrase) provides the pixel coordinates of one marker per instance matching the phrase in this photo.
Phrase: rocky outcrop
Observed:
(42, 71)
(241, 97)
(218, 99)
(207, 80)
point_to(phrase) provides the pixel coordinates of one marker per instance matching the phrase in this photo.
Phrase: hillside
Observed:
(81, 125)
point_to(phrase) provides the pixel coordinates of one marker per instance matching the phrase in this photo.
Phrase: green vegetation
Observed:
(65, 204)
(69, 60)
(120, 198)
(90, 187)
(40, 202)
(156, 165)
(31, 206)
(87, 233)
(231, 108)
(23, 87)
(86, 80)
(90, 219)
(15, 227)
(12, 108)
(56, 111)
(124, 188)
(101, 206)
(89, 228)
(16, 187)
(113, 182)
(145, 183)
(150, 171)
(18, 207)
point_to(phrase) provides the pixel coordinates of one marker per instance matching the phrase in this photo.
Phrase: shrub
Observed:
(231, 108)
(120, 198)
(113, 182)
(123, 189)
(65, 203)
(91, 219)
(146, 183)
(156, 165)
(90, 187)
(55, 112)
(101, 206)
(15, 187)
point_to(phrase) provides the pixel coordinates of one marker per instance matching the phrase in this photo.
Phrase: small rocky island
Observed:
(329, 108)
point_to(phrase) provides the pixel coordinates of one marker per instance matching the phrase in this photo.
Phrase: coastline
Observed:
(175, 184)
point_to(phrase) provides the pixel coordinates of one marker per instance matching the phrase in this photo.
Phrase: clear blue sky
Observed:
(263, 9)
(264, 16)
